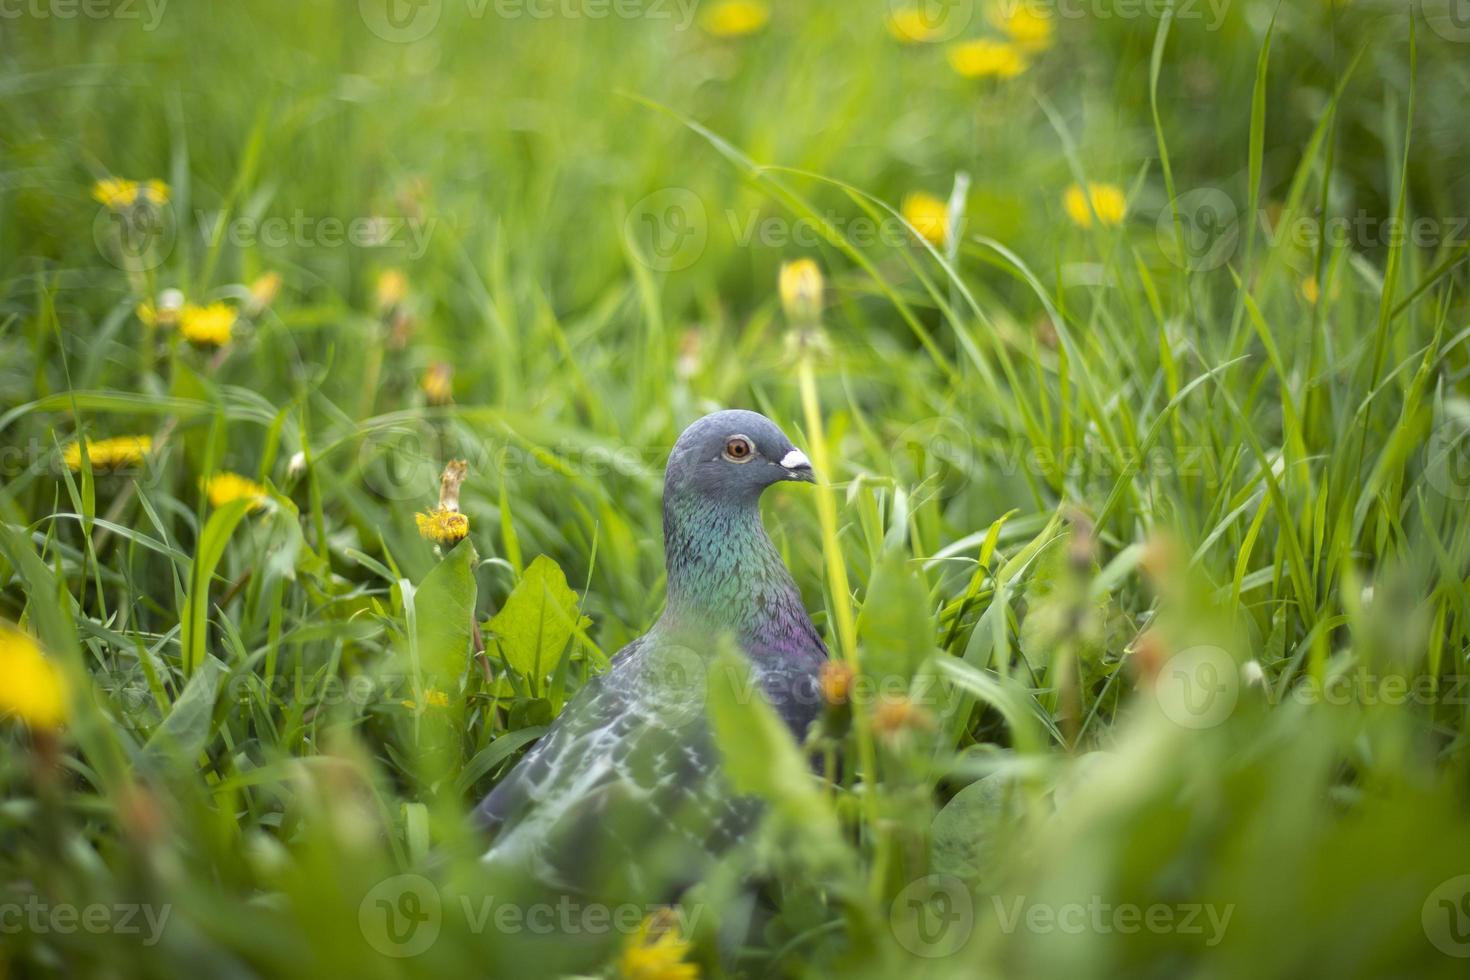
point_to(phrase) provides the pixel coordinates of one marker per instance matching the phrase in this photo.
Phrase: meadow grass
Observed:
(1142, 523)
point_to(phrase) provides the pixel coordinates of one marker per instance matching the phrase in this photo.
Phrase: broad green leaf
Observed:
(537, 620)
(444, 610)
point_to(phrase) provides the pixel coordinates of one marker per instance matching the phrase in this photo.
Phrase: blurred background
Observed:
(1142, 372)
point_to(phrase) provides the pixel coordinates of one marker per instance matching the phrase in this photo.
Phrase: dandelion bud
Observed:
(296, 466)
(836, 681)
(392, 287)
(438, 383)
(897, 717)
(263, 291)
(801, 291)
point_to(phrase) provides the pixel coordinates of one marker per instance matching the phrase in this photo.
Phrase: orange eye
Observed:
(738, 449)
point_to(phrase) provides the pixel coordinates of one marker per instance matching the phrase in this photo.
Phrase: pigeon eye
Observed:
(738, 449)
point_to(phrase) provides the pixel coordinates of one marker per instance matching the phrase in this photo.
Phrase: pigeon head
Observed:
(733, 456)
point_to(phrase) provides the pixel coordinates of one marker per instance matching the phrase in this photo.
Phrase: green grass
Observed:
(1171, 559)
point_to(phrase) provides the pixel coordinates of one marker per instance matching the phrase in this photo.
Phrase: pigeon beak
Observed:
(798, 467)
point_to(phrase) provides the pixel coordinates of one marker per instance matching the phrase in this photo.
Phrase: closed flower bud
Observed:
(801, 291)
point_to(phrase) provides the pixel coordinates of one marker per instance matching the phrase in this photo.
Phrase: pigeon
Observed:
(624, 793)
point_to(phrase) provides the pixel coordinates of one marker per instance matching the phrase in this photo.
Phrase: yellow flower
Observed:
(1107, 200)
(223, 488)
(108, 454)
(443, 526)
(155, 192)
(984, 58)
(438, 383)
(115, 192)
(31, 686)
(207, 326)
(264, 289)
(657, 952)
(392, 287)
(735, 18)
(1019, 20)
(801, 291)
(1311, 292)
(928, 214)
(146, 313)
(432, 698)
(895, 717)
(911, 25)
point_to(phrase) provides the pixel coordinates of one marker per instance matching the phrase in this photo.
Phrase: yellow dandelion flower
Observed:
(155, 192)
(928, 214)
(801, 291)
(116, 193)
(443, 526)
(108, 454)
(1107, 200)
(913, 25)
(224, 488)
(32, 688)
(657, 952)
(1311, 292)
(207, 326)
(438, 383)
(392, 287)
(432, 699)
(985, 58)
(264, 289)
(735, 18)
(1030, 29)
(896, 717)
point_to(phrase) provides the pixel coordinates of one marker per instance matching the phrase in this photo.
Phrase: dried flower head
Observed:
(896, 717)
(444, 524)
(836, 682)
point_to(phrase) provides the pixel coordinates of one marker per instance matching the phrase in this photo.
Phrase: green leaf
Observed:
(195, 621)
(537, 620)
(184, 733)
(895, 625)
(444, 611)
